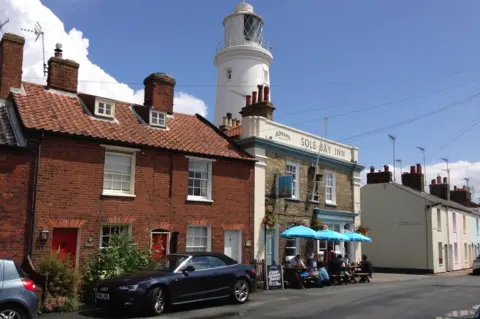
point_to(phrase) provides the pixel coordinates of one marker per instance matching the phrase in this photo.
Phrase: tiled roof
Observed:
(42, 109)
(435, 198)
(234, 131)
(6, 132)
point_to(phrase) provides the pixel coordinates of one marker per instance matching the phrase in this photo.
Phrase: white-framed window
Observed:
(119, 171)
(330, 188)
(104, 108)
(198, 238)
(293, 169)
(465, 249)
(158, 118)
(464, 224)
(454, 219)
(109, 229)
(292, 245)
(455, 252)
(199, 179)
(439, 219)
(228, 73)
(440, 253)
(322, 247)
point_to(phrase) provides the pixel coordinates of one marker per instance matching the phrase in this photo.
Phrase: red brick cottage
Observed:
(75, 168)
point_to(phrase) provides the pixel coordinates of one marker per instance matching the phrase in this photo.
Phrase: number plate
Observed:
(103, 296)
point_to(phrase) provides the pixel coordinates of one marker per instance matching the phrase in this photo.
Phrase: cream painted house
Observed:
(413, 231)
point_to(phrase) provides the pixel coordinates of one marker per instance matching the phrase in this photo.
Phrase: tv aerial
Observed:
(38, 31)
(2, 24)
(241, 94)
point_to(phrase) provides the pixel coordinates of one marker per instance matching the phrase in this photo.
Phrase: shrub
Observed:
(62, 283)
(121, 256)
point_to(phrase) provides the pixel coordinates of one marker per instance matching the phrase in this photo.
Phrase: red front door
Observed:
(159, 244)
(64, 241)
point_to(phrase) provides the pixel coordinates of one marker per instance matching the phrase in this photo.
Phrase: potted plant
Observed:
(269, 220)
(362, 230)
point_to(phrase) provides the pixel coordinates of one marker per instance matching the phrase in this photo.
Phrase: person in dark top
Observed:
(336, 267)
(366, 266)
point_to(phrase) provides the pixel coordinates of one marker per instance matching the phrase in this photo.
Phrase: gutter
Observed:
(33, 213)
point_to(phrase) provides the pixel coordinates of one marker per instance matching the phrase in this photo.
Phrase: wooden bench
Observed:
(363, 276)
(339, 279)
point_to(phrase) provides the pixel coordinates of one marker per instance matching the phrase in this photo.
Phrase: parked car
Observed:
(18, 298)
(179, 279)
(476, 266)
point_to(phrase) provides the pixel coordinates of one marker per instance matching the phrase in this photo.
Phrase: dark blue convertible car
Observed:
(178, 279)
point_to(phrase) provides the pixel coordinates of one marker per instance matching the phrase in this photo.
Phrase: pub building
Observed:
(290, 188)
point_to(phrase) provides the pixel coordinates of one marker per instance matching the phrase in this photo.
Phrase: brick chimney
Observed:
(62, 73)
(159, 92)
(439, 188)
(11, 59)
(414, 179)
(261, 107)
(461, 195)
(379, 177)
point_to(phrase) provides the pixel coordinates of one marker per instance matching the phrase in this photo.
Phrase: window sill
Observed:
(313, 201)
(199, 199)
(104, 193)
(292, 199)
(331, 204)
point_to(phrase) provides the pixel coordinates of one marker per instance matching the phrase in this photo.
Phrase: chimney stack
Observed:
(62, 74)
(260, 105)
(159, 92)
(379, 177)
(439, 189)
(414, 179)
(249, 100)
(11, 60)
(254, 97)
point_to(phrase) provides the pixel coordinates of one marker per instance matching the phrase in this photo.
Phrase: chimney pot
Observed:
(419, 169)
(434, 181)
(260, 93)
(266, 93)
(159, 92)
(445, 180)
(439, 179)
(386, 168)
(249, 100)
(58, 50)
(412, 169)
(229, 115)
(372, 169)
(254, 97)
(11, 60)
(225, 121)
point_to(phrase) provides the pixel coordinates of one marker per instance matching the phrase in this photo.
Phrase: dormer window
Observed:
(158, 118)
(104, 108)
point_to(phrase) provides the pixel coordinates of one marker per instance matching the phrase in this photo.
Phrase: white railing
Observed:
(232, 43)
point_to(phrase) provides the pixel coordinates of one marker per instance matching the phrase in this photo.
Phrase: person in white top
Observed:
(297, 262)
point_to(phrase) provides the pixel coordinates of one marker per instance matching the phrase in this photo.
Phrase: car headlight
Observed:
(128, 288)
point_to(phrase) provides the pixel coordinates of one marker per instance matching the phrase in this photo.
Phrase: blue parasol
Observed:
(330, 235)
(356, 237)
(299, 232)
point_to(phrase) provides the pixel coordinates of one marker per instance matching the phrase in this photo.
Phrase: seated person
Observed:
(366, 266)
(297, 262)
(346, 259)
(312, 266)
(337, 267)
(323, 277)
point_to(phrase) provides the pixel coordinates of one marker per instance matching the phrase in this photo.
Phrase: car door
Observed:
(194, 285)
(224, 276)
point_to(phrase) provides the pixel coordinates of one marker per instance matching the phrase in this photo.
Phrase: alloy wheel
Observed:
(159, 301)
(241, 291)
(9, 314)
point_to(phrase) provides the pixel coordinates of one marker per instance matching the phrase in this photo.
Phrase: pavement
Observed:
(387, 296)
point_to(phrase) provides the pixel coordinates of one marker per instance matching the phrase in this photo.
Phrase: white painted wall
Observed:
(439, 235)
(398, 227)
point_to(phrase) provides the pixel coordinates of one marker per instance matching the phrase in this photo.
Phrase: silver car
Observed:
(18, 298)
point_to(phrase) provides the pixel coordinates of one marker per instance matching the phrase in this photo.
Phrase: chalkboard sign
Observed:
(274, 277)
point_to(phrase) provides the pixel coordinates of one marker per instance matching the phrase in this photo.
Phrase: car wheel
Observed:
(12, 312)
(156, 301)
(241, 291)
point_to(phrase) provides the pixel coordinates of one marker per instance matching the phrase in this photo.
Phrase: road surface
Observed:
(406, 297)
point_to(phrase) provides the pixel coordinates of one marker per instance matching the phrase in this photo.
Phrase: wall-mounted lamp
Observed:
(44, 234)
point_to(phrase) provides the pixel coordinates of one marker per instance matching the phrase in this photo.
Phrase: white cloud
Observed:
(24, 14)
(458, 171)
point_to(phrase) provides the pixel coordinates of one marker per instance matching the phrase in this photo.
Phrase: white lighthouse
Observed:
(242, 61)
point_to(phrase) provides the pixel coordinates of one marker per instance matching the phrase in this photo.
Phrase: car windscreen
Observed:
(166, 263)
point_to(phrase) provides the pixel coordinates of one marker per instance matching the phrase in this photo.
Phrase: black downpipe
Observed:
(33, 213)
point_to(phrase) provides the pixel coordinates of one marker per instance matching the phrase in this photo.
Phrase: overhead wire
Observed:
(460, 133)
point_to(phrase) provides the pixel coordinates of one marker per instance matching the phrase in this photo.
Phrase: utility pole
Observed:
(399, 161)
(448, 176)
(393, 138)
(422, 149)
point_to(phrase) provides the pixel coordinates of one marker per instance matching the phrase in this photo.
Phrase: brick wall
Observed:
(70, 187)
(301, 210)
(16, 171)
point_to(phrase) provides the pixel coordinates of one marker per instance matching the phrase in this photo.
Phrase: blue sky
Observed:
(326, 53)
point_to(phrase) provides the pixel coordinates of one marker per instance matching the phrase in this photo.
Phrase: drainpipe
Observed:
(33, 213)
(426, 234)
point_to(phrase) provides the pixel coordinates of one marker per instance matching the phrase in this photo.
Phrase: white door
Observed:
(232, 245)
